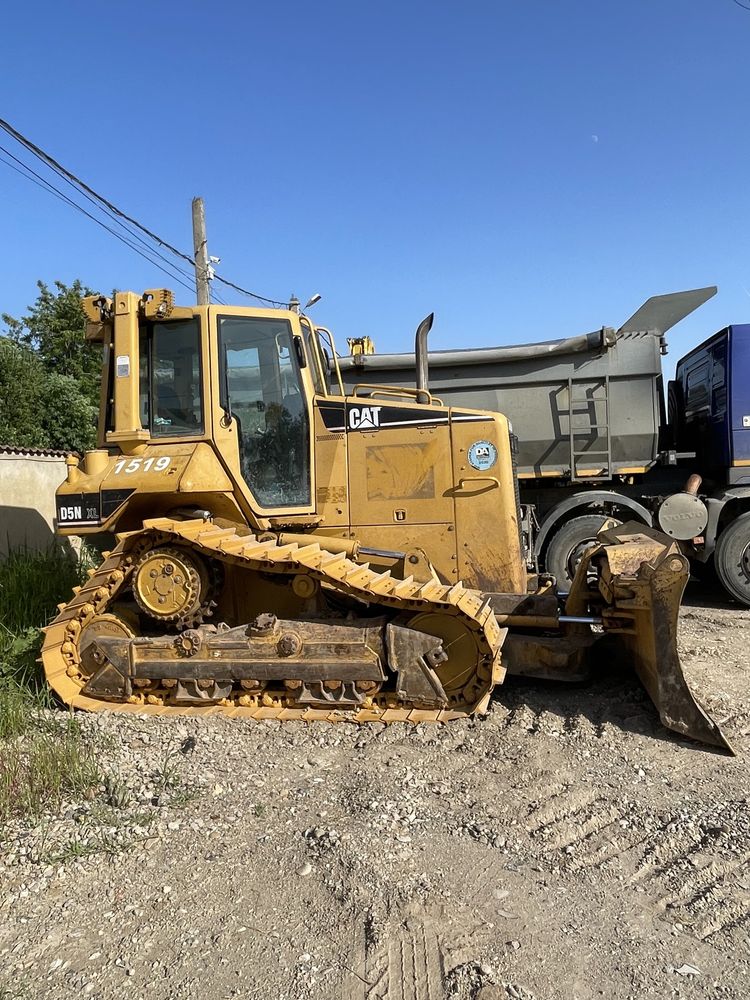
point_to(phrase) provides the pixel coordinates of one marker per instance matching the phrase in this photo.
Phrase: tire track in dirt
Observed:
(706, 894)
(609, 843)
(574, 818)
(712, 899)
(404, 962)
(681, 866)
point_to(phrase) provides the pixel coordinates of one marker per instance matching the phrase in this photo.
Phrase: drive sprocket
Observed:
(169, 584)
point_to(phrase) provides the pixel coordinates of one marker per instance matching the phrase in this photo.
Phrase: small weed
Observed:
(144, 819)
(99, 813)
(98, 842)
(17, 992)
(70, 851)
(102, 829)
(40, 769)
(116, 792)
(259, 810)
(168, 784)
(183, 795)
(167, 777)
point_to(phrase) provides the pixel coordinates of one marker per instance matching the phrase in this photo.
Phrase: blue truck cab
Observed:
(709, 426)
(709, 404)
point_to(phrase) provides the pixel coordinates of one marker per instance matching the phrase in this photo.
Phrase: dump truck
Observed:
(284, 550)
(595, 441)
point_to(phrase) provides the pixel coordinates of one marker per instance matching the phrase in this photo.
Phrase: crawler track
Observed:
(60, 653)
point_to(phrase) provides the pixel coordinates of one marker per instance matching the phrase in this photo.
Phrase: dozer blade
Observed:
(641, 576)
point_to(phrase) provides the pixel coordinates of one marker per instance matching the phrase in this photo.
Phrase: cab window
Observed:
(313, 356)
(170, 378)
(263, 392)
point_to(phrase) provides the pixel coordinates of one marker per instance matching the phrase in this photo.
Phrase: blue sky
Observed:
(525, 170)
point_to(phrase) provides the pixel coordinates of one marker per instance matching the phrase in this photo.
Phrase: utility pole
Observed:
(200, 252)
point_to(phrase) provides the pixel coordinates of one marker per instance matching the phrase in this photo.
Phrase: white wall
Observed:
(27, 499)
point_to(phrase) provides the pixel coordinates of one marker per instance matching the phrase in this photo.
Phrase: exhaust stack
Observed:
(420, 353)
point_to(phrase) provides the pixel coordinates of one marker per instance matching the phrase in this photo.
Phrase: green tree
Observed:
(55, 329)
(49, 374)
(68, 416)
(21, 378)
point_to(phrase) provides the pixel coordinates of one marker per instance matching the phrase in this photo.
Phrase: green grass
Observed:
(18, 655)
(16, 708)
(33, 583)
(41, 761)
(43, 756)
(49, 763)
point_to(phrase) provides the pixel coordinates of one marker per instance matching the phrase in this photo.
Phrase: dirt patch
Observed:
(563, 847)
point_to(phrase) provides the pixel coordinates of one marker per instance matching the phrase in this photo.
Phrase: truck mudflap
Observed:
(636, 578)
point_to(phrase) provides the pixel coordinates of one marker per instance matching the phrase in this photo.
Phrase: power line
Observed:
(30, 174)
(59, 168)
(253, 295)
(40, 184)
(91, 194)
(216, 297)
(110, 214)
(744, 7)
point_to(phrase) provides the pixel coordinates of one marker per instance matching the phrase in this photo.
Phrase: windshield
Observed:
(264, 395)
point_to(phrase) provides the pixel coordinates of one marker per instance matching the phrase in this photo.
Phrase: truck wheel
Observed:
(569, 543)
(732, 559)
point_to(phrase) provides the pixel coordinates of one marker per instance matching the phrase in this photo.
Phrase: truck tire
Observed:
(569, 543)
(732, 559)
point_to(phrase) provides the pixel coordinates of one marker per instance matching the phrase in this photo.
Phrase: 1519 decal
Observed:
(129, 465)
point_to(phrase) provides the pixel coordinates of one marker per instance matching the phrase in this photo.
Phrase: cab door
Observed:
(401, 478)
(262, 409)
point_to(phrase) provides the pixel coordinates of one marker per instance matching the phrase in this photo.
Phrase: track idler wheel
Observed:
(459, 667)
(170, 584)
(92, 662)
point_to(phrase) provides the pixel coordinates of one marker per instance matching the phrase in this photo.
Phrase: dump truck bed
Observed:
(581, 407)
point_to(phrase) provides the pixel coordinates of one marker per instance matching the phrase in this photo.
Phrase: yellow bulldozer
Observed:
(285, 551)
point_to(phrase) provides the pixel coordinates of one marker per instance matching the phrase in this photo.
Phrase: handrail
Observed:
(390, 390)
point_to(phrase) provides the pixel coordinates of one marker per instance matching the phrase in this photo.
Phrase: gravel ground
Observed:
(563, 847)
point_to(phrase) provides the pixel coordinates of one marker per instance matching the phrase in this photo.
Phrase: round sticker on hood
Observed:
(482, 455)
